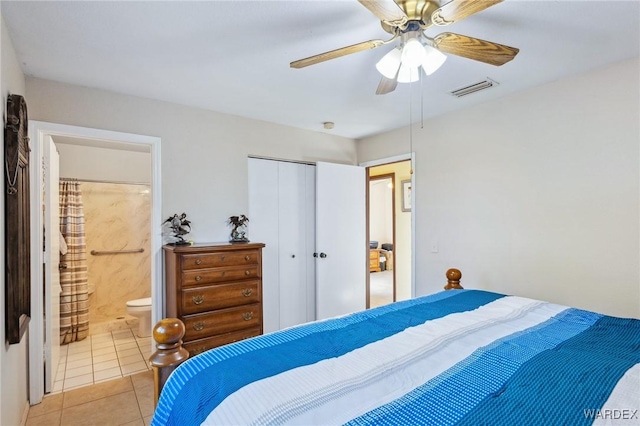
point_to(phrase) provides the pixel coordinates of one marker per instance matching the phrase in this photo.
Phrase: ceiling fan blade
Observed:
(474, 48)
(459, 9)
(387, 85)
(343, 51)
(386, 10)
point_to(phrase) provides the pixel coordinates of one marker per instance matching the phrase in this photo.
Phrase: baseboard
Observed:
(25, 414)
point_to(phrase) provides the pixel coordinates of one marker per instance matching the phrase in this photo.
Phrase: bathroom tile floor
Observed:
(102, 357)
(123, 401)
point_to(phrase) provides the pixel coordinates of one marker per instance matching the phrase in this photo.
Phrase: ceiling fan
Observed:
(407, 20)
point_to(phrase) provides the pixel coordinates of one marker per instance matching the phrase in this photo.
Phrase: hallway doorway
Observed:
(389, 234)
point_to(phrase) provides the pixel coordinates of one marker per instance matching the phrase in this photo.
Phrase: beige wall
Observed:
(117, 217)
(402, 248)
(13, 359)
(535, 194)
(204, 153)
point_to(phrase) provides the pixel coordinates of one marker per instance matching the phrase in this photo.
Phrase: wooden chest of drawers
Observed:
(216, 290)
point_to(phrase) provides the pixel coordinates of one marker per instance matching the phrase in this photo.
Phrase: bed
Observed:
(464, 357)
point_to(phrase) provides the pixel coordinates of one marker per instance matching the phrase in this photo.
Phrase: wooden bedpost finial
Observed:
(168, 331)
(453, 279)
(168, 334)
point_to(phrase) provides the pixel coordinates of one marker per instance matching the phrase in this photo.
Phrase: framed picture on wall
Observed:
(406, 195)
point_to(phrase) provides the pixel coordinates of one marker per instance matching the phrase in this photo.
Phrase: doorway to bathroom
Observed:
(118, 176)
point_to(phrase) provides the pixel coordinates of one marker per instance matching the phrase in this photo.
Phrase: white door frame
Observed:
(37, 132)
(414, 194)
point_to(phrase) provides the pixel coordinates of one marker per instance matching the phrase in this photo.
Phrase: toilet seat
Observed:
(139, 303)
(141, 309)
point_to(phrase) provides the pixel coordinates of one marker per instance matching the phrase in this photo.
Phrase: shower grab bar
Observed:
(98, 253)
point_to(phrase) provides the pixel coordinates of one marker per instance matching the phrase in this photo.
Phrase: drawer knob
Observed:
(247, 292)
(247, 272)
(198, 299)
(247, 316)
(198, 261)
(247, 258)
(224, 273)
(198, 277)
(198, 326)
(223, 257)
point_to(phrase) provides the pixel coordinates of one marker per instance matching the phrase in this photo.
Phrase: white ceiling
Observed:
(233, 56)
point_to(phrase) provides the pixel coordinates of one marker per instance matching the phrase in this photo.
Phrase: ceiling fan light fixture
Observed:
(388, 65)
(413, 53)
(433, 60)
(408, 74)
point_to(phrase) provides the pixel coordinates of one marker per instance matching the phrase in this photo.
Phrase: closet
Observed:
(312, 220)
(282, 215)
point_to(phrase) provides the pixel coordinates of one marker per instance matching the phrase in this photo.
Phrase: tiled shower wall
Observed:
(117, 217)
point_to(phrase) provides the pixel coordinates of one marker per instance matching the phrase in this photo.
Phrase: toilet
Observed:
(141, 309)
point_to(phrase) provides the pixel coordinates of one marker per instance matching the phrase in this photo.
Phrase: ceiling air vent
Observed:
(487, 83)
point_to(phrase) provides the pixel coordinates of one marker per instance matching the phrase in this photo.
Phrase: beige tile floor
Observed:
(124, 401)
(101, 357)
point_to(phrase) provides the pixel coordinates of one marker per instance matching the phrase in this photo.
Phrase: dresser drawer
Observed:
(201, 299)
(214, 275)
(214, 260)
(196, 347)
(222, 321)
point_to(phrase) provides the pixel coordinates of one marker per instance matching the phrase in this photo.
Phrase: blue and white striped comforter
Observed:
(456, 357)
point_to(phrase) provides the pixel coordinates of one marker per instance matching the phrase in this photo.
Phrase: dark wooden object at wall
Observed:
(168, 335)
(17, 220)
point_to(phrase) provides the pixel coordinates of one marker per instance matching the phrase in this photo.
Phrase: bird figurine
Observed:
(238, 233)
(179, 226)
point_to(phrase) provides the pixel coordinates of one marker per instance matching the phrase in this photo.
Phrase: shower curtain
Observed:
(74, 299)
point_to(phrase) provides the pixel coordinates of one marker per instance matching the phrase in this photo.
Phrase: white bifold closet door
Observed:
(296, 200)
(282, 216)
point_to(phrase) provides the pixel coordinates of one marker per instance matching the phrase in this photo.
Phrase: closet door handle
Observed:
(198, 326)
(247, 316)
(198, 299)
(247, 292)
(323, 255)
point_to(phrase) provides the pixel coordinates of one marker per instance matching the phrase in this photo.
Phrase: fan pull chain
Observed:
(421, 102)
(410, 126)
